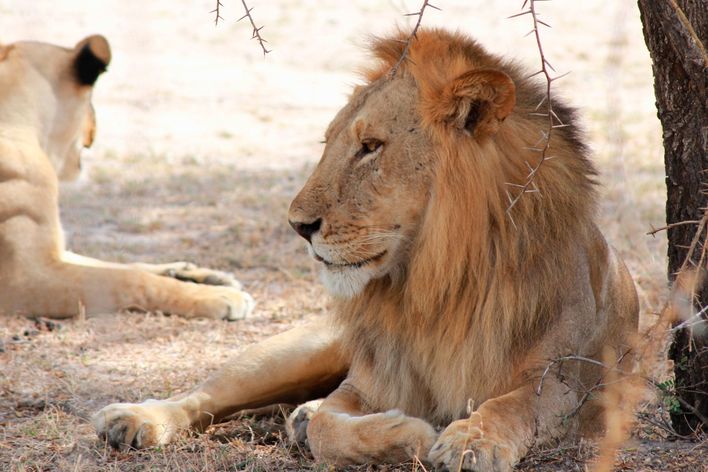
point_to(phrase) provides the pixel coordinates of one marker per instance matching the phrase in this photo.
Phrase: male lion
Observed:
(444, 301)
(46, 118)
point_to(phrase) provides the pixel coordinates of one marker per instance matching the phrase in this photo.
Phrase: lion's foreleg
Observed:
(500, 432)
(341, 433)
(298, 365)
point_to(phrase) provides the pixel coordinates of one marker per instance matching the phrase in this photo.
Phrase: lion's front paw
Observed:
(390, 437)
(296, 424)
(464, 446)
(138, 425)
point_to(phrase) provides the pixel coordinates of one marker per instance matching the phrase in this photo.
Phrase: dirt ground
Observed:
(202, 143)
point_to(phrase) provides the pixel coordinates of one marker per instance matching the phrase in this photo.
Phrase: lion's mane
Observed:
(482, 282)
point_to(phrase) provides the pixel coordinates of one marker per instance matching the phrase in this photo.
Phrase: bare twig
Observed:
(672, 225)
(217, 12)
(256, 30)
(694, 320)
(695, 241)
(553, 121)
(663, 425)
(624, 374)
(412, 36)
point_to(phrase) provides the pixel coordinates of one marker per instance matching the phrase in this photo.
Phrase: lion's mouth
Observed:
(348, 265)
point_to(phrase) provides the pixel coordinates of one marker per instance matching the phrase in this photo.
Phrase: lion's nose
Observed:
(306, 230)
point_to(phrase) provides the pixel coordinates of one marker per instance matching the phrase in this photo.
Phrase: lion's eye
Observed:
(369, 146)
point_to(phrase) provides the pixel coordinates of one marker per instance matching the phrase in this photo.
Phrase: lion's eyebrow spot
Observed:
(358, 127)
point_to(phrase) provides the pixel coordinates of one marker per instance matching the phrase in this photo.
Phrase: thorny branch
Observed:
(695, 320)
(412, 36)
(669, 226)
(696, 239)
(553, 121)
(600, 382)
(217, 12)
(256, 30)
(661, 424)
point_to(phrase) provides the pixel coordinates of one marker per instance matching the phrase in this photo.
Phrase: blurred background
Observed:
(202, 142)
(184, 96)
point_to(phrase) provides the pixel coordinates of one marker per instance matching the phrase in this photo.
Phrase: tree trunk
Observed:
(675, 32)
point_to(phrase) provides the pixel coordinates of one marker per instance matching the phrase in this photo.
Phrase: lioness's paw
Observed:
(137, 425)
(201, 275)
(296, 424)
(224, 303)
(463, 446)
(240, 308)
(188, 272)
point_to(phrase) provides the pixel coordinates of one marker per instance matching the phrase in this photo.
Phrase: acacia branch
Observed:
(217, 12)
(650, 381)
(412, 36)
(672, 225)
(256, 30)
(553, 121)
(695, 241)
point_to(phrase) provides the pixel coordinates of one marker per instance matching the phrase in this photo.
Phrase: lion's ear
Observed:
(476, 102)
(93, 54)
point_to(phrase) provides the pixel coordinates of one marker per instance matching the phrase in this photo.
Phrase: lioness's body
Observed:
(46, 118)
(447, 298)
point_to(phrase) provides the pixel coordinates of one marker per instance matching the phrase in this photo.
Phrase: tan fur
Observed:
(46, 118)
(445, 299)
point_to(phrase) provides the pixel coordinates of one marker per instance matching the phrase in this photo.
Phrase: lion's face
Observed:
(48, 88)
(362, 206)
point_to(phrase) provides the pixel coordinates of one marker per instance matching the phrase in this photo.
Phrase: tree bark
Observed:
(675, 32)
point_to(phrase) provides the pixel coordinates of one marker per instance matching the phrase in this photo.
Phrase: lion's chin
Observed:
(346, 282)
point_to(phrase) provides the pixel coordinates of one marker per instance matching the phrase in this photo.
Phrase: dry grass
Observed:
(201, 146)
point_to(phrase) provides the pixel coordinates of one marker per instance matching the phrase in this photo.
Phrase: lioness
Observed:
(443, 300)
(46, 118)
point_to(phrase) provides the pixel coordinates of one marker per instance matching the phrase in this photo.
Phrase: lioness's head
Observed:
(362, 208)
(48, 88)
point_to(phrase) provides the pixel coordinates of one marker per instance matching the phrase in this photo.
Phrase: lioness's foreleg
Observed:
(60, 289)
(181, 270)
(500, 432)
(341, 432)
(291, 367)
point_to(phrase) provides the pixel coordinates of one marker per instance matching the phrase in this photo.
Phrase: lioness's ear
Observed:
(4, 50)
(476, 102)
(93, 54)
(89, 127)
